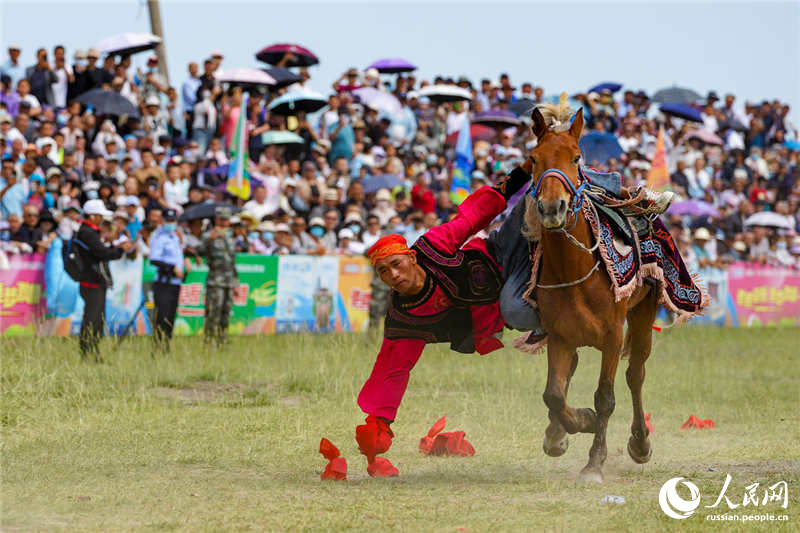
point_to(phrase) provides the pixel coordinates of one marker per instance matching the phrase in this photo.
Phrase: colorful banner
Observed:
(307, 289)
(355, 275)
(462, 170)
(317, 294)
(253, 299)
(764, 295)
(22, 301)
(658, 177)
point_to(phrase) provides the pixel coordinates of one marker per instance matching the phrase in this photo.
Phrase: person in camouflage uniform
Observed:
(217, 247)
(378, 302)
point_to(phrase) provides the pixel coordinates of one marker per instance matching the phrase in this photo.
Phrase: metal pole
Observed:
(155, 27)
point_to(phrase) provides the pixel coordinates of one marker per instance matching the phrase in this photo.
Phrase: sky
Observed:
(751, 49)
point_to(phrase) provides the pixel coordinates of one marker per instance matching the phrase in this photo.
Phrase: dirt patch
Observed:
(230, 394)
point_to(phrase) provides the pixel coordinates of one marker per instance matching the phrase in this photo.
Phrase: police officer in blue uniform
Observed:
(166, 254)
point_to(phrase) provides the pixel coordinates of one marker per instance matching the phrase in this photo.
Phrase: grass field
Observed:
(227, 441)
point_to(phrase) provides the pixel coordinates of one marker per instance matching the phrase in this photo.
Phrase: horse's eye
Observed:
(577, 159)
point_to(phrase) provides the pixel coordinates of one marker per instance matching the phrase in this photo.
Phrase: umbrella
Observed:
(108, 103)
(706, 136)
(684, 111)
(128, 43)
(379, 100)
(292, 102)
(522, 107)
(478, 132)
(249, 76)
(732, 124)
(383, 181)
(675, 94)
(769, 218)
(393, 65)
(283, 76)
(303, 57)
(600, 147)
(792, 145)
(496, 118)
(445, 93)
(281, 137)
(205, 210)
(610, 85)
(692, 208)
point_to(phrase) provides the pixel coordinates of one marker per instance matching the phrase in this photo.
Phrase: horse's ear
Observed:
(539, 125)
(577, 124)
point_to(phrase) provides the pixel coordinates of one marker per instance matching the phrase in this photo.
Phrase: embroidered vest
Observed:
(467, 278)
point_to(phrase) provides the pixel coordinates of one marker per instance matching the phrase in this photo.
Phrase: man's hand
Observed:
(127, 246)
(178, 271)
(214, 234)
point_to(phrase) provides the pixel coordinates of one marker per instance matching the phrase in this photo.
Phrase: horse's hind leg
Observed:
(638, 343)
(556, 440)
(604, 405)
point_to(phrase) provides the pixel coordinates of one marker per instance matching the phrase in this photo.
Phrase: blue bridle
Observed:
(576, 193)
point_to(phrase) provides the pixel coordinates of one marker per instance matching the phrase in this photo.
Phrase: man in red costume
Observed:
(443, 290)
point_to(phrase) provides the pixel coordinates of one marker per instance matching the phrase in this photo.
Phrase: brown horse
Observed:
(580, 310)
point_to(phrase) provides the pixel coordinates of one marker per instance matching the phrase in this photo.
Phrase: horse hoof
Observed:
(591, 474)
(556, 449)
(637, 457)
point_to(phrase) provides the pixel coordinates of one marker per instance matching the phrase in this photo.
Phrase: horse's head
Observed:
(555, 169)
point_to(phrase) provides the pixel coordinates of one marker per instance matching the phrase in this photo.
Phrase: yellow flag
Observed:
(658, 178)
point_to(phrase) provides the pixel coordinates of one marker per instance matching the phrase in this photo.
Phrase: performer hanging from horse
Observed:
(450, 287)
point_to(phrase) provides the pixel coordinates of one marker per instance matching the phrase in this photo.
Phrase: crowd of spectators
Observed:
(310, 198)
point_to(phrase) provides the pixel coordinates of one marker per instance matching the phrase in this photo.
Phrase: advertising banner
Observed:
(764, 295)
(22, 301)
(307, 289)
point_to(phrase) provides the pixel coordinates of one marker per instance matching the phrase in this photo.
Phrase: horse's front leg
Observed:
(556, 440)
(604, 405)
(560, 361)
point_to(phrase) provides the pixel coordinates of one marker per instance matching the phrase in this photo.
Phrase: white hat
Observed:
(267, 225)
(96, 207)
(346, 233)
(383, 194)
(282, 227)
(316, 221)
(702, 234)
(353, 217)
(131, 200)
(152, 100)
(93, 52)
(372, 73)
(41, 141)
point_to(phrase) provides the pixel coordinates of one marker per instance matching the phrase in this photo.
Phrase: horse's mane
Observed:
(557, 116)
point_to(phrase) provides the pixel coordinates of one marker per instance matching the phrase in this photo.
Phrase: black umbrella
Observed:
(675, 94)
(128, 43)
(732, 124)
(108, 103)
(496, 118)
(523, 107)
(206, 210)
(283, 76)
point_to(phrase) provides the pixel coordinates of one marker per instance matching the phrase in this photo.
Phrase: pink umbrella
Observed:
(303, 57)
(705, 136)
(251, 76)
